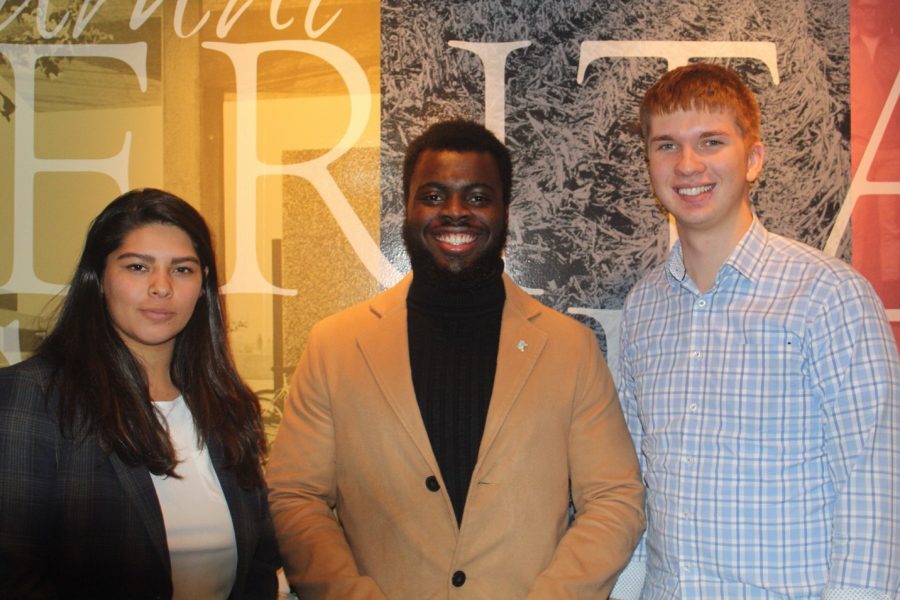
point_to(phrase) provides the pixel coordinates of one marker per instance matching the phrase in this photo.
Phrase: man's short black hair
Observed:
(459, 136)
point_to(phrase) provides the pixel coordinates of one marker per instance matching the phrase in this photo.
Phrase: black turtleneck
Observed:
(454, 334)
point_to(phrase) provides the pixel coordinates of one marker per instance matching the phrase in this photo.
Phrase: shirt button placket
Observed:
(698, 361)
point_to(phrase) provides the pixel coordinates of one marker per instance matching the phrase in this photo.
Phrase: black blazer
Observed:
(78, 523)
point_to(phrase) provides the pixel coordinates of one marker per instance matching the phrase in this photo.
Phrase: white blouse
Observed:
(199, 531)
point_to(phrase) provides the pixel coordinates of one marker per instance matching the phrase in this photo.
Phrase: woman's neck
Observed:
(157, 362)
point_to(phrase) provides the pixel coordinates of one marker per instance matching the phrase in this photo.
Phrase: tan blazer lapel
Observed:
(385, 348)
(521, 343)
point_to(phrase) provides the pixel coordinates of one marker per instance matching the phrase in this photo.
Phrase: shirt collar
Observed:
(746, 258)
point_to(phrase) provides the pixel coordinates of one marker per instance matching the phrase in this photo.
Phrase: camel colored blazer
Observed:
(357, 498)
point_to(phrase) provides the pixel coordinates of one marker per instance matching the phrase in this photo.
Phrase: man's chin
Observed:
(455, 272)
(458, 274)
(453, 266)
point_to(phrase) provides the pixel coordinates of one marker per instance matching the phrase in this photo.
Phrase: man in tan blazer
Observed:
(434, 434)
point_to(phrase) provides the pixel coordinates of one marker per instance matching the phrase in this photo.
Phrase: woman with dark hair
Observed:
(130, 448)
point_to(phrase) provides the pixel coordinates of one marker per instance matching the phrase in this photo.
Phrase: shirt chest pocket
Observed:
(766, 380)
(773, 354)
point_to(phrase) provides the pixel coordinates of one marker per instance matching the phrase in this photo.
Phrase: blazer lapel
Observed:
(243, 523)
(521, 343)
(138, 489)
(385, 349)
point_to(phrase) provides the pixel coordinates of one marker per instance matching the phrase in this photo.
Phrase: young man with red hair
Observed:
(759, 379)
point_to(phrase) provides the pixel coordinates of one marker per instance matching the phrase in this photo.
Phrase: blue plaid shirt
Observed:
(766, 413)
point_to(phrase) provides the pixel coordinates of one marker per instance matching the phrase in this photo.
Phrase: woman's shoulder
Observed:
(28, 418)
(22, 383)
(37, 370)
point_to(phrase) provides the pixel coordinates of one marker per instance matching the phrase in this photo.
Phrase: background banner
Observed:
(285, 122)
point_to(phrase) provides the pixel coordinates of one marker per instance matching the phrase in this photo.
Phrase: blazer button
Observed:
(458, 579)
(432, 484)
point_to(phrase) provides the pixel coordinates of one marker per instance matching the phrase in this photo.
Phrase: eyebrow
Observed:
(703, 135)
(150, 259)
(443, 185)
(714, 133)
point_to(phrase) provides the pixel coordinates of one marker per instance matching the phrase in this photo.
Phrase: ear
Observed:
(755, 157)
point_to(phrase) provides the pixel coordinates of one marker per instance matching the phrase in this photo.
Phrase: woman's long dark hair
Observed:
(102, 387)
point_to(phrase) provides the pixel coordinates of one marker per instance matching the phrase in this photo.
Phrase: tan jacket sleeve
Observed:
(606, 490)
(301, 474)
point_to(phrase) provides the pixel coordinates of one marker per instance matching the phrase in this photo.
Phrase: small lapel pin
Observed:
(521, 345)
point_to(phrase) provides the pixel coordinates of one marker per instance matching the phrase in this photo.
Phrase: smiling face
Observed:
(455, 214)
(701, 168)
(151, 284)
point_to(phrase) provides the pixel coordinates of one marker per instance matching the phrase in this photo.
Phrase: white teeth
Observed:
(695, 191)
(456, 239)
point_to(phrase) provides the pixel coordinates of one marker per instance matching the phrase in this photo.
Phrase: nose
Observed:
(455, 208)
(161, 285)
(688, 162)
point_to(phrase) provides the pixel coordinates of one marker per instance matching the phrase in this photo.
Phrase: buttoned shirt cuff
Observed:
(852, 593)
(630, 582)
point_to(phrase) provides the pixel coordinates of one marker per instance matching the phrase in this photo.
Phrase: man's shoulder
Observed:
(355, 312)
(652, 278)
(546, 318)
(814, 279)
(791, 254)
(653, 282)
(371, 308)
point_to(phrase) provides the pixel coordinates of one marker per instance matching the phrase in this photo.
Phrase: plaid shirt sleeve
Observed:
(853, 367)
